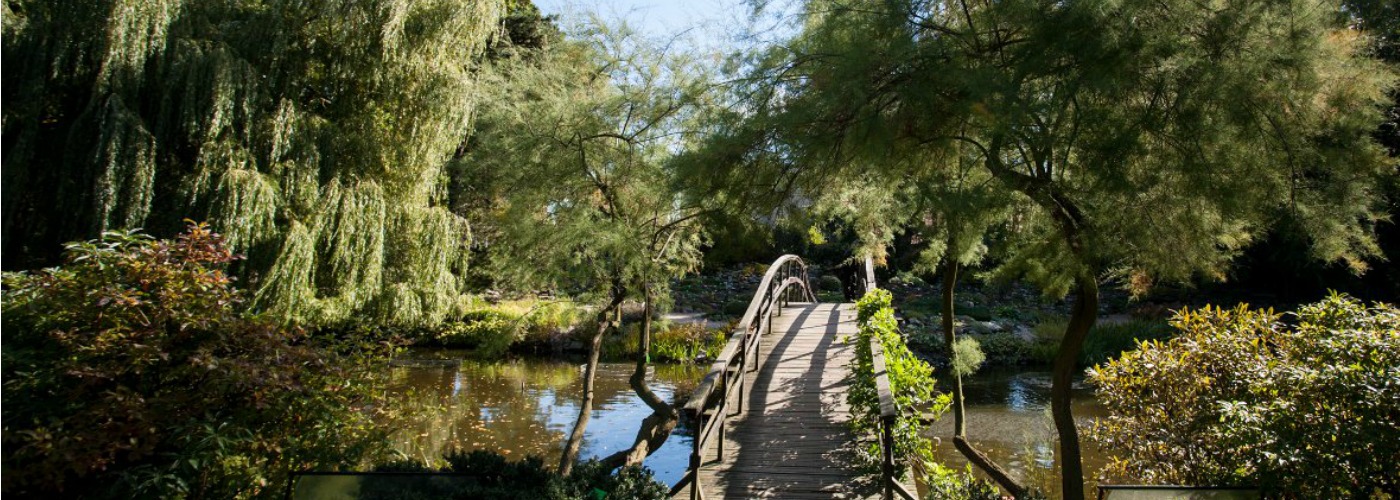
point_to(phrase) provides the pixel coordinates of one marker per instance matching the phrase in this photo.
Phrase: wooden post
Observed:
(743, 367)
(887, 462)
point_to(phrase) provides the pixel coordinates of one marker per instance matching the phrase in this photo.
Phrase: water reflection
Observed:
(1008, 418)
(527, 407)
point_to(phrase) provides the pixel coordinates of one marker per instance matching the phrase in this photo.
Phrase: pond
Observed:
(1008, 418)
(527, 407)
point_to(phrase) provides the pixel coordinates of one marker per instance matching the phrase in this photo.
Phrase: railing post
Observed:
(743, 367)
(695, 458)
(887, 444)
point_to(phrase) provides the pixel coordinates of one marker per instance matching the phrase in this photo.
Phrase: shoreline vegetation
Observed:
(221, 220)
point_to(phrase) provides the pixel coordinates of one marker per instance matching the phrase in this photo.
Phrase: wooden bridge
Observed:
(772, 418)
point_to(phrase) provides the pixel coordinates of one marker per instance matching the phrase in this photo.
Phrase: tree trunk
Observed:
(585, 411)
(1082, 318)
(657, 427)
(981, 460)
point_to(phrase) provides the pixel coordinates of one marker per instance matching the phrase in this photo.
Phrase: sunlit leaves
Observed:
(1307, 407)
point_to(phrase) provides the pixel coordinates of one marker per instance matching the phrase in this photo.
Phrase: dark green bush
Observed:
(1309, 410)
(684, 343)
(1006, 349)
(488, 332)
(829, 283)
(736, 308)
(1108, 341)
(130, 372)
(979, 313)
(950, 484)
(483, 474)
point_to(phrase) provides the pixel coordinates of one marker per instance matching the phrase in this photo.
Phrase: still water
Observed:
(1008, 418)
(523, 408)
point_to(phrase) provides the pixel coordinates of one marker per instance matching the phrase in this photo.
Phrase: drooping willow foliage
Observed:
(313, 133)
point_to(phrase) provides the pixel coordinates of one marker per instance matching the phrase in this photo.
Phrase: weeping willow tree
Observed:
(312, 133)
(1152, 139)
(582, 196)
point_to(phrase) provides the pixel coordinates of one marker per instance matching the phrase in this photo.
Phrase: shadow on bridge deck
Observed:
(793, 440)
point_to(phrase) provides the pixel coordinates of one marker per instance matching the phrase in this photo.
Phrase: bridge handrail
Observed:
(785, 277)
(889, 411)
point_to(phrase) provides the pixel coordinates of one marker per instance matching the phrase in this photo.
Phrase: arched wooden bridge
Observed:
(772, 419)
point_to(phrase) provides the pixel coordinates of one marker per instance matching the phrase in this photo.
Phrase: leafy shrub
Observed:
(979, 313)
(1051, 330)
(736, 308)
(489, 332)
(967, 356)
(829, 283)
(493, 330)
(623, 345)
(925, 339)
(1311, 409)
(1005, 348)
(949, 484)
(684, 343)
(1105, 341)
(753, 270)
(1010, 312)
(130, 372)
(484, 474)
(911, 384)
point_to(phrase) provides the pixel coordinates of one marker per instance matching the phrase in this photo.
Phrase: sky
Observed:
(708, 23)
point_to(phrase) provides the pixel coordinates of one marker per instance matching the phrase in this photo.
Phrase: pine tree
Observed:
(575, 151)
(1154, 139)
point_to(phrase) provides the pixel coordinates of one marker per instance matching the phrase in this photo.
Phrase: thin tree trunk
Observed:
(981, 460)
(585, 411)
(1082, 318)
(657, 427)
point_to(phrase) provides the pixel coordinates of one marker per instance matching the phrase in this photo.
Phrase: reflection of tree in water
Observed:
(517, 408)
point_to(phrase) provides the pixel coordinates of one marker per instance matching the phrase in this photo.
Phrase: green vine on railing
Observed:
(911, 383)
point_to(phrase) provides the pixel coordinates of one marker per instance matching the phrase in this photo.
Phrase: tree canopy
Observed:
(1155, 139)
(312, 134)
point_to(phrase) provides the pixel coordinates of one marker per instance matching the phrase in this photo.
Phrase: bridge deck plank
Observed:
(792, 440)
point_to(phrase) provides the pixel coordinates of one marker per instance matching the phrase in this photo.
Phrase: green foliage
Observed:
(685, 343)
(1308, 408)
(967, 356)
(314, 136)
(489, 333)
(492, 330)
(1106, 340)
(131, 372)
(485, 474)
(829, 283)
(979, 313)
(736, 308)
(911, 384)
(574, 147)
(948, 484)
(1006, 348)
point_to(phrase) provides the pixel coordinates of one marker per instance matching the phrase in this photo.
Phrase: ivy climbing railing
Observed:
(786, 281)
(889, 409)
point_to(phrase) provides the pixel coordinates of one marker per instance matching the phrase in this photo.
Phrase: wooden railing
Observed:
(785, 281)
(889, 411)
